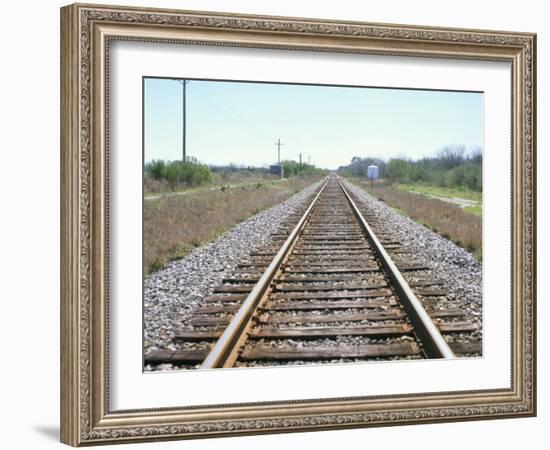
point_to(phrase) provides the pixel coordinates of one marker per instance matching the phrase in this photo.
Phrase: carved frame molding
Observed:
(86, 31)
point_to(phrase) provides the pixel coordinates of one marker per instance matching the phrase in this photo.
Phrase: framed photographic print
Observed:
(276, 224)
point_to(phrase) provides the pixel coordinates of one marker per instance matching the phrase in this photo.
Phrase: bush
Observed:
(397, 169)
(188, 173)
(156, 169)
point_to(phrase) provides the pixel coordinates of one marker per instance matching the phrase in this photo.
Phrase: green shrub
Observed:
(179, 173)
(396, 169)
(156, 169)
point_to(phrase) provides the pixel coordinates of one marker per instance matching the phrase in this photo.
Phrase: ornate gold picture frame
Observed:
(87, 31)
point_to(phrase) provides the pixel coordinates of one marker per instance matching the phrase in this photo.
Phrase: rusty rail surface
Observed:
(224, 352)
(435, 345)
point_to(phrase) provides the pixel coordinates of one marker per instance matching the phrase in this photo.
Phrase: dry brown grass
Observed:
(448, 220)
(174, 225)
(151, 185)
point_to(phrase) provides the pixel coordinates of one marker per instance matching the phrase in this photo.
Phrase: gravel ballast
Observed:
(171, 293)
(458, 268)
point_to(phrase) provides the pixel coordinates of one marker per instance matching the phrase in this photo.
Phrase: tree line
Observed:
(294, 168)
(452, 166)
(194, 173)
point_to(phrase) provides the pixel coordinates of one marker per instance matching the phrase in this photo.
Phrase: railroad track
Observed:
(328, 289)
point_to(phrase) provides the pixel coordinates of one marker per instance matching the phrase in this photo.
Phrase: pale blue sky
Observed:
(234, 122)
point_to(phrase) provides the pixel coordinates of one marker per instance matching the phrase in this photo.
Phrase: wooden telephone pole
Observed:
(183, 120)
(278, 144)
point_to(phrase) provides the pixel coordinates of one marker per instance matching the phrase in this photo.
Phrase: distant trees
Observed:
(476, 155)
(232, 168)
(450, 156)
(294, 168)
(452, 166)
(291, 168)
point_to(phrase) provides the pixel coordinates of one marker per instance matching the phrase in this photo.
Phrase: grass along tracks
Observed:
(175, 224)
(449, 220)
(219, 185)
(470, 201)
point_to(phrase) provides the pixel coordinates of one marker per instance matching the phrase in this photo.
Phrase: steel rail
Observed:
(433, 342)
(224, 352)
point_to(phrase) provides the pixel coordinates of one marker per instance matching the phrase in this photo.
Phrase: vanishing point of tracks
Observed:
(327, 290)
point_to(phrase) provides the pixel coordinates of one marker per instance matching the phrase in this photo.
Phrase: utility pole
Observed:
(183, 123)
(278, 144)
(300, 160)
(309, 160)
